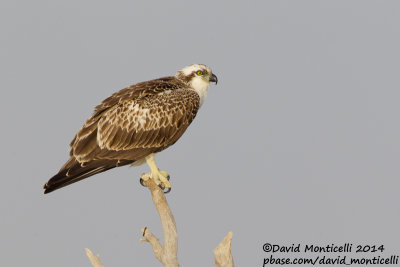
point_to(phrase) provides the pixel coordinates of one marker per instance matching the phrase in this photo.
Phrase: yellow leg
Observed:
(160, 177)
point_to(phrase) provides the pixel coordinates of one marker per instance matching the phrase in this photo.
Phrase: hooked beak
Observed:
(214, 78)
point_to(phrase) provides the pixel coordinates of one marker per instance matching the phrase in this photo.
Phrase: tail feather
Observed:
(73, 171)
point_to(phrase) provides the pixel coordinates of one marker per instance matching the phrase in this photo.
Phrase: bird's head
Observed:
(197, 76)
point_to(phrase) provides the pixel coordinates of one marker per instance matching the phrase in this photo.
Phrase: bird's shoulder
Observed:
(140, 90)
(163, 107)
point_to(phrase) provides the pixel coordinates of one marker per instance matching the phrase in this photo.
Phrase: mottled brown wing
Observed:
(137, 91)
(84, 146)
(134, 128)
(150, 122)
(129, 125)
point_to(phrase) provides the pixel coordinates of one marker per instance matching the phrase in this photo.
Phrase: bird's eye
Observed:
(199, 72)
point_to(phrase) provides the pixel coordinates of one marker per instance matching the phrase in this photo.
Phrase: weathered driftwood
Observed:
(167, 253)
(94, 259)
(223, 254)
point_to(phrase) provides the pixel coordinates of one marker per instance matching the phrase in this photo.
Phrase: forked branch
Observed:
(223, 254)
(94, 259)
(167, 253)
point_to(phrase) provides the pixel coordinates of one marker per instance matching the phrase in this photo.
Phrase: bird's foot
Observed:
(161, 178)
(164, 184)
(144, 177)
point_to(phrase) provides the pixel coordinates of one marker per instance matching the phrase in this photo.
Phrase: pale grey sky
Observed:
(298, 143)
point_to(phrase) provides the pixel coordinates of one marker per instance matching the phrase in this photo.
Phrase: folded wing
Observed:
(127, 131)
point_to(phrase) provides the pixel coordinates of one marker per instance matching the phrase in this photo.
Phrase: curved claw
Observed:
(165, 189)
(168, 190)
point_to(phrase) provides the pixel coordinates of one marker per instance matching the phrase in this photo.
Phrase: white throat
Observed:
(201, 88)
(198, 82)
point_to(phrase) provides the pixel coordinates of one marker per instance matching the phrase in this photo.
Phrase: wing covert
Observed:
(149, 122)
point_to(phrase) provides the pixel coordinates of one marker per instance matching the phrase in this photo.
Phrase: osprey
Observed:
(135, 123)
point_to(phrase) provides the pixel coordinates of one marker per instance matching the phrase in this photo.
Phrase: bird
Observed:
(134, 124)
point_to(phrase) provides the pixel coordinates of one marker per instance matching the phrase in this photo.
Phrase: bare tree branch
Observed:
(222, 253)
(154, 242)
(168, 253)
(94, 259)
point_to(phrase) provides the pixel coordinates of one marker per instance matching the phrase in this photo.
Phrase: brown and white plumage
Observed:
(133, 124)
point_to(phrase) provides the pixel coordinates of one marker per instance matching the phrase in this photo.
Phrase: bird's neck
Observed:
(199, 85)
(201, 88)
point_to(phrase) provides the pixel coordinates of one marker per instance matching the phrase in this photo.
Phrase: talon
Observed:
(168, 190)
(144, 177)
(164, 173)
(161, 178)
